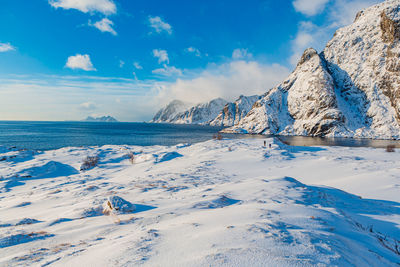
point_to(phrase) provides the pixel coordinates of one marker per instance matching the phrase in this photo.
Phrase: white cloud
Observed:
(241, 53)
(193, 50)
(310, 7)
(169, 71)
(137, 65)
(104, 25)
(80, 62)
(103, 6)
(162, 55)
(121, 63)
(88, 106)
(228, 81)
(159, 25)
(5, 47)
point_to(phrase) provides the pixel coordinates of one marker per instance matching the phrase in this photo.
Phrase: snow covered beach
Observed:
(218, 203)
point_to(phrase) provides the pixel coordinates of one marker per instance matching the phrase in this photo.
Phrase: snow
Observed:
(234, 112)
(216, 112)
(169, 112)
(177, 112)
(351, 89)
(221, 202)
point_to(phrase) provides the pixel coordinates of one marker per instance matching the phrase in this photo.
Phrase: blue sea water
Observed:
(54, 135)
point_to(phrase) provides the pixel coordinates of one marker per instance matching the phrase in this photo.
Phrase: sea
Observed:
(53, 135)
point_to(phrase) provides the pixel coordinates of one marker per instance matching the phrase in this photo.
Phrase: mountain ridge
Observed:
(350, 89)
(361, 69)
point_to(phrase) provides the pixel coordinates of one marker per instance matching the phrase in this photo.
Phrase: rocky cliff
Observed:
(233, 112)
(168, 113)
(350, 89)
(201, 113)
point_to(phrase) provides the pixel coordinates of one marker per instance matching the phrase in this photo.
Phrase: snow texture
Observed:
(219, 203)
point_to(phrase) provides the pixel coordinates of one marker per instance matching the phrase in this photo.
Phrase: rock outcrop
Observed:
(233, 112)
(201, 113)
(168, 113)
(351, 89)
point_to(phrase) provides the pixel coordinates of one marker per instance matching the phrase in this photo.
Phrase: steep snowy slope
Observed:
(351, 89)
(304, 104)
(168, 113)
(202, 113)
(234, 111)
(217, 112)
(180, 113)
(364, 61)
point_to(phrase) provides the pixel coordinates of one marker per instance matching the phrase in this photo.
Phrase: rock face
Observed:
(168, 113)
(217, 112)
(364, 61)
(100, 119)
(178, 112)
(304, 104)
(202, 113)
(351, 89)
(232, 113)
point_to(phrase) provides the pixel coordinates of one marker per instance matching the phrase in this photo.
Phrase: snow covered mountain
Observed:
(201, 113)
(217, 112)
(234, 111)
(168, 113)
(180, 113)
(351, 89)
(100, 119)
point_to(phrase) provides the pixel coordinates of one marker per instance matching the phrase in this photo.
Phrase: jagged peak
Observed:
(388, 6)
(307, 55)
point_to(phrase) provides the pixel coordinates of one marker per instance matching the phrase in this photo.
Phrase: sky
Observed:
(68, 59)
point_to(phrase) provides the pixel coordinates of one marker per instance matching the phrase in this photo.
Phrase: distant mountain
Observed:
(351, 89)
(217, 112)
(233, 112)
(201, 113)
(168, 113)
(100, 119)
(179, 112)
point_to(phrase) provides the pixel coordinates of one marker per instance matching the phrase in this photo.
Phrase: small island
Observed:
(100, 119)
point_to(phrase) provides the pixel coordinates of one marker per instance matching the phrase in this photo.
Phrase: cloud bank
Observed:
(228, 81)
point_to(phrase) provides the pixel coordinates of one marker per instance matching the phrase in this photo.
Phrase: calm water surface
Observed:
(53, 135)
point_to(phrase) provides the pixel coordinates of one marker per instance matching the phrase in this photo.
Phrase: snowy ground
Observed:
(217, 203)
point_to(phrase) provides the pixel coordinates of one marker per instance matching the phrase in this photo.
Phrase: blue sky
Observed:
(66, 59)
